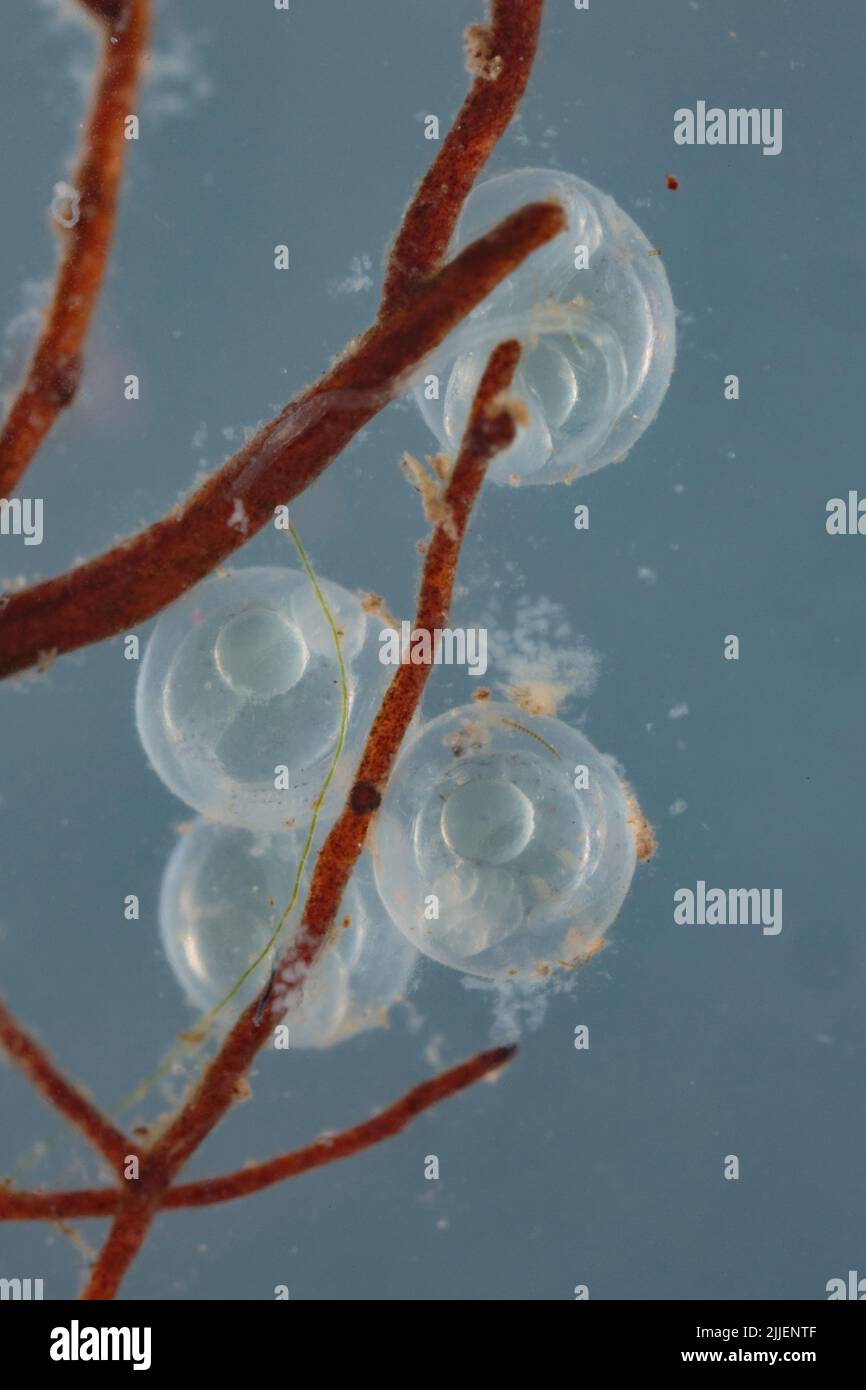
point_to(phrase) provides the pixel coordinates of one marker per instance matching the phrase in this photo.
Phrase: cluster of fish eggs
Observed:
(503, 847)
(239, 706)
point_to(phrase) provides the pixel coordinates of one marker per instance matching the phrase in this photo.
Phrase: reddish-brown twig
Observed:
(135, 579)
(491, 429)
(58, 1206)
(52, 377)
(363, 1136)
(103, 597)
(36, 1065)
(499, 55)
(70, 1206)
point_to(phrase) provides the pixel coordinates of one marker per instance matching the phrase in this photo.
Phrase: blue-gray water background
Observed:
(601, 1167)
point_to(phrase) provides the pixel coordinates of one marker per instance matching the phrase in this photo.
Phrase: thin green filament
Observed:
(196, 1035)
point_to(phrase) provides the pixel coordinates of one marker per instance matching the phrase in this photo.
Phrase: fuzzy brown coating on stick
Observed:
(228, 1187)
(100, 598)
(32, 1061)
(499, 55)
(351, 1141)
(491, 428)
(137, 578)
(54, 372)
(58, 1206)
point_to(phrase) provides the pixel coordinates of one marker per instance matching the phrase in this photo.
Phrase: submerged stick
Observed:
(491, 428)
(228, 1187)
(33, 1061)
(137, 578)
(53, 375)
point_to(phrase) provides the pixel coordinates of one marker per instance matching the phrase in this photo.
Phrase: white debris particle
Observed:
(358, 279)
(17, 336)
(678, 711)
(65, 204)
(239, 518)
(677, 807)
(177, 82)
(646, 575)
(542, 661)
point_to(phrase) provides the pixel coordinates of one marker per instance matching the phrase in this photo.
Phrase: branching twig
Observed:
(70, 1206)
(499, 55)
(52, 1085)
(54, 372)
(134, 580)
(491, 429)
(421, 303)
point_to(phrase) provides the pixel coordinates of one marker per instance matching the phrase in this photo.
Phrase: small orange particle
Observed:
(672, 183)
(644, 835)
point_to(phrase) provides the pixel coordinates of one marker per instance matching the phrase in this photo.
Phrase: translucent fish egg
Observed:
(239, 697)
(222, 894)
(503, 847)
(594, 312)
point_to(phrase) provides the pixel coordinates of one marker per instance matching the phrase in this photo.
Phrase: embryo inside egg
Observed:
(504, 845)
(239, 698)
(487, 822)
(259, 653)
